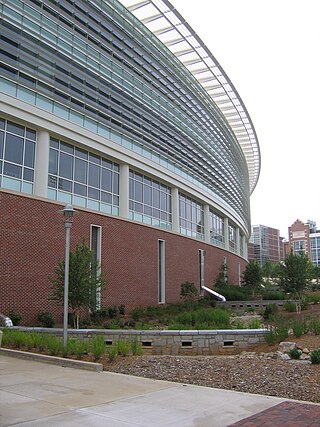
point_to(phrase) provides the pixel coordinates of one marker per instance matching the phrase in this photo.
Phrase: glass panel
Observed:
(29, 154)
(80, 171)
(1, 144)
(14, 149)
(94, 175)
(12, 170)
(106, 180)
(53, 161)
(15, 128)
(28, 174)
(66, 166)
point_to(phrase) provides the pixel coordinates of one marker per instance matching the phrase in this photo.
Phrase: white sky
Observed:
(270, 49)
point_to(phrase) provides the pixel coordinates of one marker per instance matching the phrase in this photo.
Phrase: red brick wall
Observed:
(33, 239)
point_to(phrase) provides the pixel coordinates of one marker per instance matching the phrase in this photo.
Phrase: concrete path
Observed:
(39, 394)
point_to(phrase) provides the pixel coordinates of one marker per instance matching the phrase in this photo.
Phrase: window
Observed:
(161, 272)
(149, 201)
(201, 269)
(83, 178)
(299, 246)
(216, 229)
(191, 217)
(232, 238)
(95, 247)
(17, 156)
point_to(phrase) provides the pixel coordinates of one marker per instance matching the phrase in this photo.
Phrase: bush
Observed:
(15, 317)
(270, 311)
(188, 291)
(112, 352)
(123, 347)
(314, 326)
(136, 348)
(294, 353)
(272, 295)
(271, 337)
(203, 318)
(112, 312)
(234, 293)
(55, 345)
(298, 327)
(122, 309)
(290, 306)
(46, 319)
(255, 323)
(315, 356)
(98, 346)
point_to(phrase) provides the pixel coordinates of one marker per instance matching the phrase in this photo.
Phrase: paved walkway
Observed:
(40, 394)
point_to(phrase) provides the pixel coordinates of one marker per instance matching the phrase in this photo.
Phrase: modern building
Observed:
(118, 108)
(265, 244)
(304, 237)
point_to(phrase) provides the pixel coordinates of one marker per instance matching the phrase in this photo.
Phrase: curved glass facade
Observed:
(95, 65)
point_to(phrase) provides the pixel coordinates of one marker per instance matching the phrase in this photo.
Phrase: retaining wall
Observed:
(165, 342)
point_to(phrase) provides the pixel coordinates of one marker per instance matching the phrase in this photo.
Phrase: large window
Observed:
(232, 238)
(191, 217)
(299, 246)
(216, 229)
(82, 178)
(17, 155)
(149, 201)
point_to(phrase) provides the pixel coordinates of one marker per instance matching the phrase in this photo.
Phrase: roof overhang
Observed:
(165, 22)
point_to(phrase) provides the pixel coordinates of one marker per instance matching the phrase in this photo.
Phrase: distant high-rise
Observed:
(304, 237)
(266, 244)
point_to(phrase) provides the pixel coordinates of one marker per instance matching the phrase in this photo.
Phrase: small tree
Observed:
(295, 273)
(85, 281)
(222, 277)
(252, 276)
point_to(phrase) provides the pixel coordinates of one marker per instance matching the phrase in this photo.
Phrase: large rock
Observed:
(285, 346)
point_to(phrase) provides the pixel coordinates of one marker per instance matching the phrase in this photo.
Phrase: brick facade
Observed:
(33, 239)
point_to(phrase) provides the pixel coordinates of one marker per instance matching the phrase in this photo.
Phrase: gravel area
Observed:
(259, 372)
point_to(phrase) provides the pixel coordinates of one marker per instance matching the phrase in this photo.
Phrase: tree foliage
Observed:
(222, 278)
(295, 273)
(252, 275)
(85, 281)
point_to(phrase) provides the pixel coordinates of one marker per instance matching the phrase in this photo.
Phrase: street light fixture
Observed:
(68, 213)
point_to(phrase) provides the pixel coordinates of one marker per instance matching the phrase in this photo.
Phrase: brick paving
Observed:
(285, 414)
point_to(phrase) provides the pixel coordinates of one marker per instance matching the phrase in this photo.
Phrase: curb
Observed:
(53, 360)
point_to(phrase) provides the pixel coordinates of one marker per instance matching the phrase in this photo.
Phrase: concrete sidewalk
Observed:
(37, 394)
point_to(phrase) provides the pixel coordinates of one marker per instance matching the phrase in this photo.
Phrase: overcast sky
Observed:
(270, 49)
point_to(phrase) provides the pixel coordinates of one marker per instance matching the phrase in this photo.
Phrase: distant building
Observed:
(304, 237)
(265, 244)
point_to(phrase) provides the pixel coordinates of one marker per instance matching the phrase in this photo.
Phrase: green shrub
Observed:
(294, 353)
(234, 293)
(54, 345)
(298, 328)
(15, 317)
(270, 311)
(272, 295)
(46, 319)
(123, 347)
(137, 313)
(255, 323)
(204, 318)
(315, 356)
(271, 337)
(112, 352)
(98, 346)
(314, 326)
(290, 306)
(112, 312)
(136, 348)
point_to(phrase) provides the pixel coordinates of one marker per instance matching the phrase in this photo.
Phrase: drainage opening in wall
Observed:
(108, 342)
(186, 343)
(146, 343)
(228, 343)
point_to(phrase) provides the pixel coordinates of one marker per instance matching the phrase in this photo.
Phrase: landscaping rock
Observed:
(285, 346)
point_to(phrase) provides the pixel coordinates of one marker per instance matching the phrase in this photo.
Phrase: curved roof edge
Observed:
(166, 23)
